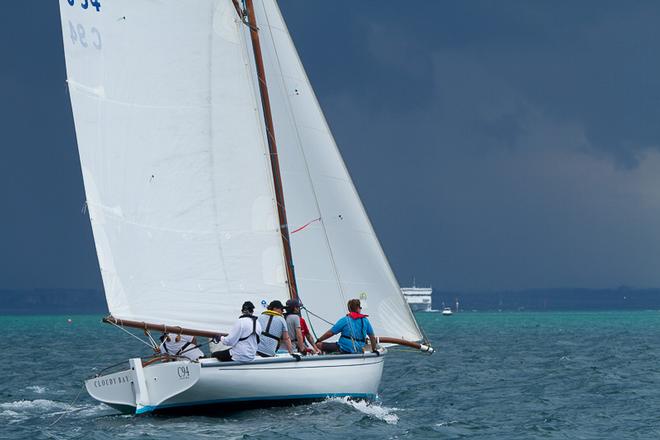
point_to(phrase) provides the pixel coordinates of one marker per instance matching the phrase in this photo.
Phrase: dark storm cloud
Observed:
(592, 62)
(501, 145)
(494, 144)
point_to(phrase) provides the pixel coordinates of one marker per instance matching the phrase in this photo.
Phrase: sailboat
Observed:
(209, 169)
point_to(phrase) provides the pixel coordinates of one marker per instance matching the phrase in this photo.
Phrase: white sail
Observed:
(174, 159)
(337, 257)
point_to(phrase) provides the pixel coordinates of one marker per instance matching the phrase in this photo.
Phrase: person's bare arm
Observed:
(323, 337)
(300, 341)
(311, 343)
(374, 343)
(287, 341)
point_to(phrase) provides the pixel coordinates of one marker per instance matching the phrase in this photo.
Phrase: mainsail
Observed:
(177, 172)
(337, 255)
(174, 159)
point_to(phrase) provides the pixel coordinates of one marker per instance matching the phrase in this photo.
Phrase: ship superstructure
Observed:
(418, 298)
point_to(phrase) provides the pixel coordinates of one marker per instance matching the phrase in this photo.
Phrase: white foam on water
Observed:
(371, 409)
(450, 422)
(40, 404)
(21, 410)
(92, 410)
(10, 417)
(37, 389)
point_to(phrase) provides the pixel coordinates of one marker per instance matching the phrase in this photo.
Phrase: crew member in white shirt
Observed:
(243, 337)
(180, 345)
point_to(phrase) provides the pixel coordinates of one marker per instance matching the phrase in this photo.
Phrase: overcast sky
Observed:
(495, 145)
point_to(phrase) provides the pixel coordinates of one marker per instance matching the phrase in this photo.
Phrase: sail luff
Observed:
(272, 145)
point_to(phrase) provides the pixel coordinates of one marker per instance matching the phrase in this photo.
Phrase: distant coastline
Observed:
(621, 298)
(80, 301)
(51, 301)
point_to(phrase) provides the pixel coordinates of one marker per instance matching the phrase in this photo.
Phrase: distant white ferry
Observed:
(418, 298)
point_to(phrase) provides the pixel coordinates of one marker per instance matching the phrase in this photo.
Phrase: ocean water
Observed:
(568, 375)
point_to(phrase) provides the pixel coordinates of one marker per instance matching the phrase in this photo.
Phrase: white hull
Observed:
(417, 307)
(187, 384)
(418, 298)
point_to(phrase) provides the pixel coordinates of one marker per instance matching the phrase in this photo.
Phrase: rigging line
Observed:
(314, 314)
(70, 404)
(311, 326)
(426, 339)
(126, 331)
(194, 346)
(100, 373)
(151, 339)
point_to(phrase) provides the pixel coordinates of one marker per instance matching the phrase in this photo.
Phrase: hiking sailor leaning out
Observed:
(180, 345)
(354, 328)
(243, 337)
(273, 331)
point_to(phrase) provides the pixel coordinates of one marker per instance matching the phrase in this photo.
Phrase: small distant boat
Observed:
(447, 311)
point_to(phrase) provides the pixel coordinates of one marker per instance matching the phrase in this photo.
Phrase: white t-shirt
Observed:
(242, 351)
(177, 348)
(268, 345)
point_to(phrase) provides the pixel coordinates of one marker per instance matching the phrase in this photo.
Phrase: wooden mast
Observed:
(272, 147)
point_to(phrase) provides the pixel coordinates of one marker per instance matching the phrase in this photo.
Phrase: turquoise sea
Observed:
(523, 375)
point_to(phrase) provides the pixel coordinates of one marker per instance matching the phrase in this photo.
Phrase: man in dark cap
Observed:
(274, 331)
(243, 337)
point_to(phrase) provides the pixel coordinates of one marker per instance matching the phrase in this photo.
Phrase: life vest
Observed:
(266, 332)
(181, 350)
(362, 333)
(165, 338)
(254, 328)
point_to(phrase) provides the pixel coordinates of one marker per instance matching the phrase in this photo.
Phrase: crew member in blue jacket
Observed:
(354, 329)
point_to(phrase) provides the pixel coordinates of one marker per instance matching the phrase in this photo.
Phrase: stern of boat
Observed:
(140, 389)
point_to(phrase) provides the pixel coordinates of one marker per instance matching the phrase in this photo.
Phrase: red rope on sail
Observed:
(306, 224)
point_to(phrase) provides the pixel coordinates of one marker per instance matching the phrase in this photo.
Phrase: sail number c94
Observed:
(79, 35)
(85, 4)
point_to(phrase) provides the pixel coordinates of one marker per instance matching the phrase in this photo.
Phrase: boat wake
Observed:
(29, 405)
(371, 409)
(19, 410)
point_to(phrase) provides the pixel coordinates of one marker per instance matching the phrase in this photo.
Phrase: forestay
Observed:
(174, 159)
(337, 255)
